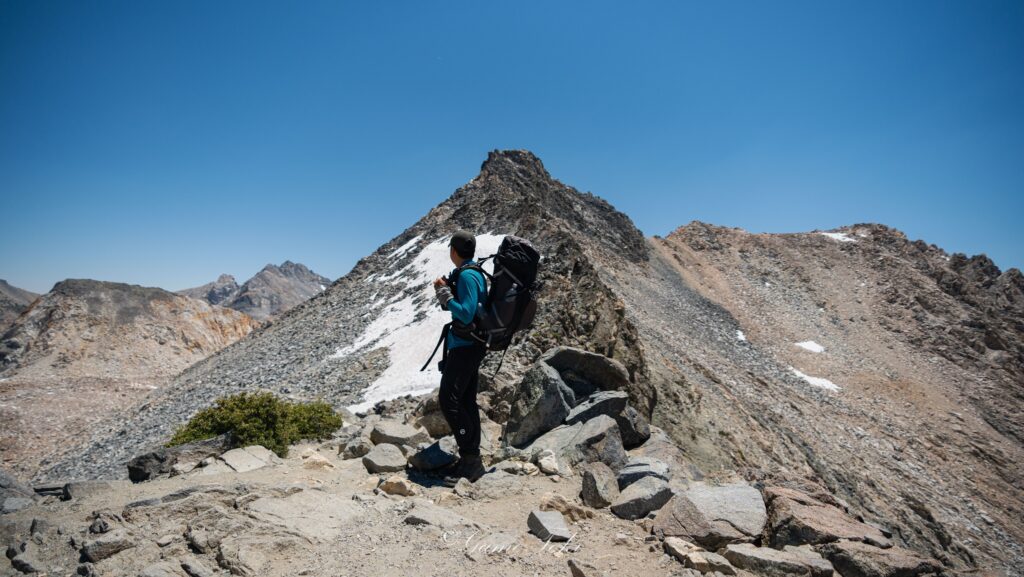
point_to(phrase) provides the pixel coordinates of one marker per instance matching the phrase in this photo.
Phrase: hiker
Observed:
(460, 293)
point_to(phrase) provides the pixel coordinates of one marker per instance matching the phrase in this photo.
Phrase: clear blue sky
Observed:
(162, 143)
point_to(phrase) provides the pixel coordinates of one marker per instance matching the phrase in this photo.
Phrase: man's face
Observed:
(453, 255)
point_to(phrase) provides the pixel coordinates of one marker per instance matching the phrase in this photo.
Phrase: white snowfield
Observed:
(816, 381)
(839, 236)
(408, 340)
(811, 346)
(740, 336)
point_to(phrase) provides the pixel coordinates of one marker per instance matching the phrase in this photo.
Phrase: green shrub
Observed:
(260, 419)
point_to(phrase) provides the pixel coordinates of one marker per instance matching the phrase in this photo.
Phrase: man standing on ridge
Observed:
(460, 293)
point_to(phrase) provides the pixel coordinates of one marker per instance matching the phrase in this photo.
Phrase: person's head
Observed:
(463, 247)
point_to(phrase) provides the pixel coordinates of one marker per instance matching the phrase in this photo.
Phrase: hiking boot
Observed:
(469, 468)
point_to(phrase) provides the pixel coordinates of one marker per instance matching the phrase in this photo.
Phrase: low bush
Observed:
(260, 419)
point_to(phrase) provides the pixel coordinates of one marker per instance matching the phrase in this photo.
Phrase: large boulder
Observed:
(436, 455)
(384, 458)
(737, 504)
(396, 433)
(633, 427)
(660, 446)
(640, 498)
(14, 495)
(639, 467)
(713, 516)
(853, 559)
(596, 440)
(540, 405)
(796, 518)
(585, 372)
(161, 461)
(107, 545)
(600, 488)
(610, 403)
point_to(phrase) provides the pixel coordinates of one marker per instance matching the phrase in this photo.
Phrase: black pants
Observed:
(457, 396)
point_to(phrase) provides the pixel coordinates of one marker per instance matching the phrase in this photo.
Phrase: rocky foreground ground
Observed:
(578, 484)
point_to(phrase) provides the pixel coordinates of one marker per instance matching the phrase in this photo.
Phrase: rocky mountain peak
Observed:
(507, 162)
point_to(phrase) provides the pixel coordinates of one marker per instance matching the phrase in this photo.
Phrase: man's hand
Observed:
(443, 294)
(439, 282)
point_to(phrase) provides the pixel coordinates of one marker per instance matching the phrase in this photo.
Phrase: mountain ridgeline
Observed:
(272, 291)
(885, 369)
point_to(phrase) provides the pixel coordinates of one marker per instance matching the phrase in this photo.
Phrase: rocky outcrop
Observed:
(13, 302)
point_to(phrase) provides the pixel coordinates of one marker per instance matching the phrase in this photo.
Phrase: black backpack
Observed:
(511, 302)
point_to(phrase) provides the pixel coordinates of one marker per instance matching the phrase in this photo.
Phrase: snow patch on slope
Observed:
(811, 346)
(410, 326)
(816, 381)
(839, 236)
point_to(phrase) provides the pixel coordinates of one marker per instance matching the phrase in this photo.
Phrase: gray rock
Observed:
(195, 568)
(639, 467)
(585, 372)
(820, 567)
(107, 545)
(248, 458)
(633, 427)
(548, 525)
(438, 454)
(354, 448)
(679, 548)
(578, 568)
(600, 489)
(767, 561)
(13, 504)
(540, 405)
(161, 461)
(384, 458)
(596, 440)
(610, 403)
(163, 569)
(27, 563)
(396, 433)
(84, 489)
(646, 495)
(428, 415)
(426, 513)
(707, 562)
(10, 486)
(737, 505)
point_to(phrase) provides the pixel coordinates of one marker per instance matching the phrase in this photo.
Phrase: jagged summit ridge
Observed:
(270, 292)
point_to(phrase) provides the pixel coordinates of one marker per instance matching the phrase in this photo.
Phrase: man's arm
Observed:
(463, 306)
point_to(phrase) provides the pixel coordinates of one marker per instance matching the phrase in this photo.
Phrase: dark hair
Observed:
(464, 243)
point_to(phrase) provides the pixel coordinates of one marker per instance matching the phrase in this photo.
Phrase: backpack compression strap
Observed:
(444, 335)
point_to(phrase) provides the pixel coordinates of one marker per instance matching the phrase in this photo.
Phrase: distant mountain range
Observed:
(270, 292)
(74, 356)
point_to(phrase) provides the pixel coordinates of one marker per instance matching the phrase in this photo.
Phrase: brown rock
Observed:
(795, 518)
(852, 559)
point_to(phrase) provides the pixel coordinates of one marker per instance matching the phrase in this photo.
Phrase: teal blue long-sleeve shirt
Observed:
(472, 290)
